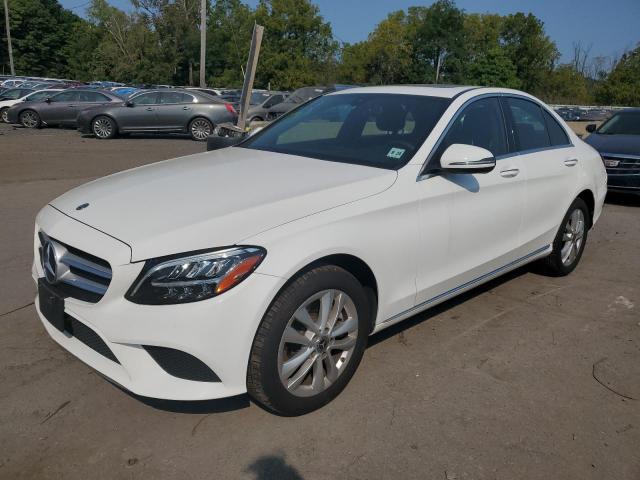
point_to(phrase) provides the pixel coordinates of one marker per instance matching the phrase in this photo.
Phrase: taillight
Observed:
(230, 108)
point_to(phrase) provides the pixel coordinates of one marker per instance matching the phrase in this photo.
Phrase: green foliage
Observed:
(158, 41)
(622, 86)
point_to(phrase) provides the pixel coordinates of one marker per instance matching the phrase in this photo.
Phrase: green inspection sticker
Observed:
(395, 152)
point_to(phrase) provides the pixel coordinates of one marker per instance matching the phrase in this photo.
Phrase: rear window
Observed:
(557, 135)
(529, 124)
(379, 130)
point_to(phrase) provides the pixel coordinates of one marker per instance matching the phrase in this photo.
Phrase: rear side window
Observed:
(479, 124)
(557, 135)
(93, 97)
(529, 125)
(175, 97)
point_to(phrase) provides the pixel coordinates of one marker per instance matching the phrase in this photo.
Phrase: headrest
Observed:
(390, 116)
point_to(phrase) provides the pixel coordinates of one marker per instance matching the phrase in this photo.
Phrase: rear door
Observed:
(174, 110)
(549, 158)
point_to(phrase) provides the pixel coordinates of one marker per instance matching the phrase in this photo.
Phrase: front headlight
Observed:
(171, 280)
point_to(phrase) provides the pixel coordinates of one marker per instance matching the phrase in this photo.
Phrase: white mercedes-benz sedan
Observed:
(264, 267)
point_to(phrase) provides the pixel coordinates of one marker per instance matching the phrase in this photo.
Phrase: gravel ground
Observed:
(526, 377)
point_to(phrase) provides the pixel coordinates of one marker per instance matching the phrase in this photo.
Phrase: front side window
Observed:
(65, 97)
(479, 124)
(528, 124)
(378, 130)
(623, 123)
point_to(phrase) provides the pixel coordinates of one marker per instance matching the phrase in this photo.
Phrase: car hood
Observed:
(620, 144)
(215, 199)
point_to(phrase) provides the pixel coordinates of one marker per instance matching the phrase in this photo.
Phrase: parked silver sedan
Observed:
(181, 111)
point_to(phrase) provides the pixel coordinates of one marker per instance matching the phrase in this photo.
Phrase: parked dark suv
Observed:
(618, 141)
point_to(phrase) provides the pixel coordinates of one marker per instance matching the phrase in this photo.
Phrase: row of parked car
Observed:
(108, 109)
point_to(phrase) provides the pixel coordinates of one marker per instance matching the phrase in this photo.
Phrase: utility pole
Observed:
(203, 40)
(6, 18)
(250, 74)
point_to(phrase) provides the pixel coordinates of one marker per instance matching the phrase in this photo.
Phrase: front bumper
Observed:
(625, 182)
(218, 332)
(13, 115)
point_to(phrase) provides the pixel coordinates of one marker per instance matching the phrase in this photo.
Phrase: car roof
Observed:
(445, 91)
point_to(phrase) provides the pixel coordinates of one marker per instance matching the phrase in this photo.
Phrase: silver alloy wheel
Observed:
(318, 343)
(201, 129)
(29, 119)
(102, 128)
(5, 115)
(572, 237)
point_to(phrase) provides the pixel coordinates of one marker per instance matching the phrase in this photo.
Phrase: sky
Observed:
(609, 26)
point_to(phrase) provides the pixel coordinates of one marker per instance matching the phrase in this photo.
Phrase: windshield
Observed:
(623, 123)
(379, 130)
(41, 95)
(259, 97)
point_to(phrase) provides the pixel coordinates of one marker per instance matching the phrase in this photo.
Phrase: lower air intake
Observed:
(181, 364)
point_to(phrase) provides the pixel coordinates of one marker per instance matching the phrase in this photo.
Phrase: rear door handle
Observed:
(186, 108)
(570, 162)
(149, 109)
(510, 172)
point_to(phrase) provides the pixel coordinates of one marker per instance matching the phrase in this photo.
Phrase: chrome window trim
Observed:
(426, 175)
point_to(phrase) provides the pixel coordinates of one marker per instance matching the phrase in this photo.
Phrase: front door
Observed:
(471, 221)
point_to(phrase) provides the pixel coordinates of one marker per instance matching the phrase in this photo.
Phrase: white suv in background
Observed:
(264, 267)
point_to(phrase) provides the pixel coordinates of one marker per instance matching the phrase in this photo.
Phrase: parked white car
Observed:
(264, 267)
(37, 96)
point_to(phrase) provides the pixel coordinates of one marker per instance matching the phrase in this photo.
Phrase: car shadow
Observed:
(196, 407)
(624, 199)
(426, 315)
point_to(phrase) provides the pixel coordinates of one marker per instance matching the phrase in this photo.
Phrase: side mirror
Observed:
(460, 158)
(48, 99)
(129, 103)
(591, 127)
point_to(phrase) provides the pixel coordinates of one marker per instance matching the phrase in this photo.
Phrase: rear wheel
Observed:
(310, 342)
(570, 240)
(4, 114)
(200, 129)
(30, 119)
(103, 127)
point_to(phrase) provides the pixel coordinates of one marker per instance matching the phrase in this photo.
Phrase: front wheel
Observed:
(30, 119)
(4, 114)
(104, 127)
(200, 129)
(310, 342)
(570, 240)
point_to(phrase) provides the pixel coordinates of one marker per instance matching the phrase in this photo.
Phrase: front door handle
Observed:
(186, 108)
(149, 109)
(570, 162)
(509, 172)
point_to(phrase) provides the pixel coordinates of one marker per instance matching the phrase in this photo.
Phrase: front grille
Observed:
(74, 273)
(273, 115)
(627, 164)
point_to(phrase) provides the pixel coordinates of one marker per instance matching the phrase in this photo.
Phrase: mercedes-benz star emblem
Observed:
(49, 262)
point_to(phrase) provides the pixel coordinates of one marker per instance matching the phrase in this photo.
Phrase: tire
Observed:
(331, 358)
(570, 241)
(256, 119)
(200, 128)
(3, 114)
(104, 127)
(30, 119)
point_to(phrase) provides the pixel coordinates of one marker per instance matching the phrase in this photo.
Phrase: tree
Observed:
(529, 48)
(565, 85)
(438, 41)
(298, 47)
(622, 86)
(493, 68)
(41, 31)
